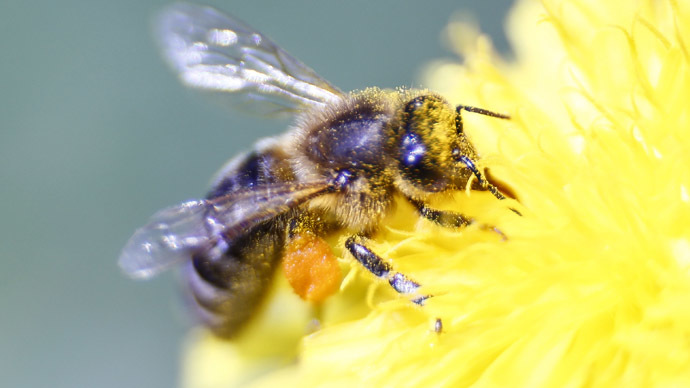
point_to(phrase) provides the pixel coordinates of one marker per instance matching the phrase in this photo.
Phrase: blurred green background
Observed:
(96, 135)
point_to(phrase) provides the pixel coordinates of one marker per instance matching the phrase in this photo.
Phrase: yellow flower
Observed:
(592, 285)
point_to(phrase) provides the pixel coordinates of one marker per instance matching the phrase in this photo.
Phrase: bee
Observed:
(338, 169)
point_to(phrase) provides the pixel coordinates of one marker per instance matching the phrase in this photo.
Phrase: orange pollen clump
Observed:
(311, 267)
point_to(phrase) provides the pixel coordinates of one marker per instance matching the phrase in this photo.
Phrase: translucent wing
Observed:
(170, 237)
(174, 234)
(213, 51)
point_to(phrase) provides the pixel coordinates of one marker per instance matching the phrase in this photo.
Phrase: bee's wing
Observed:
(174, 234)
(169, 238)
(213, 51)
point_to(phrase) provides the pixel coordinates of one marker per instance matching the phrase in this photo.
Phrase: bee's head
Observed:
(434, 153)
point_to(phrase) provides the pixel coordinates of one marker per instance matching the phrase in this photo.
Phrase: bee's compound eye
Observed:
(417, 164)
(412, 150)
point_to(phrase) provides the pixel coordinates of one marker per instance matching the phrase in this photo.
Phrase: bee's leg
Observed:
(448, 219)
(375, 264)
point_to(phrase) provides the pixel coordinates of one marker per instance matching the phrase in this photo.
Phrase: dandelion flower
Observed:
(591, 286)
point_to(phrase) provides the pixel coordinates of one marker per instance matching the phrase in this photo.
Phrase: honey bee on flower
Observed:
(338, 169)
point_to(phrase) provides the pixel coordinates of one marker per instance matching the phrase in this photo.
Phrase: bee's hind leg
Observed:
(377, 266)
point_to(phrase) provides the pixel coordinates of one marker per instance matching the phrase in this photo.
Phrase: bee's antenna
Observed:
(481, 111)
(466, 160)
(485, 183)
(458, 117)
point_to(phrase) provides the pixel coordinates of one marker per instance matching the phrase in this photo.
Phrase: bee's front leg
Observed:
(375, 264)
(448, 219)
